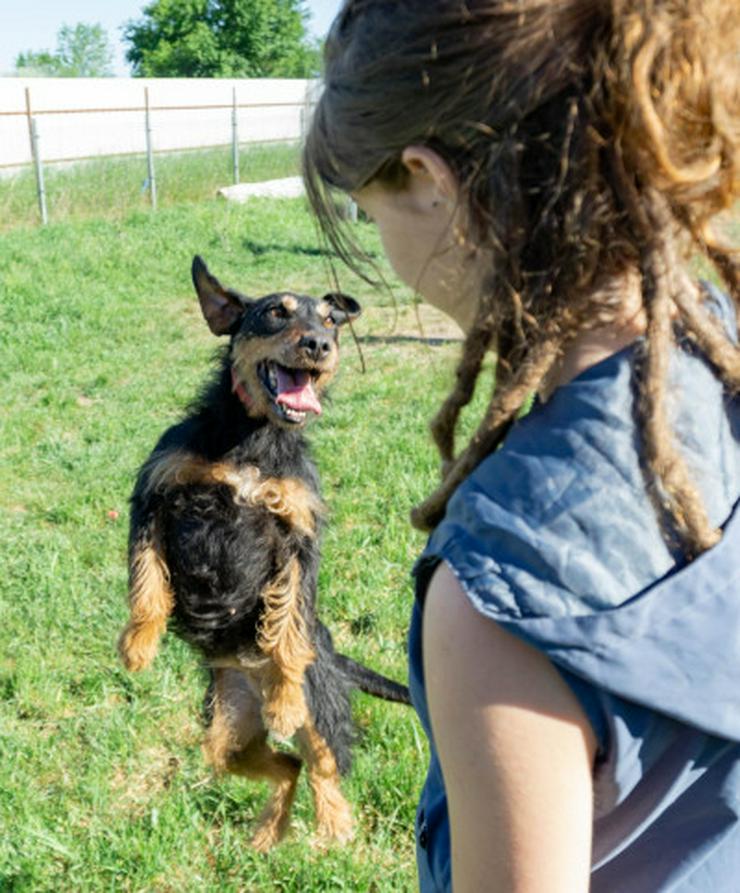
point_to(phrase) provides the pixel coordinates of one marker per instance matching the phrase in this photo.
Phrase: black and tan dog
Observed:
(225, 521)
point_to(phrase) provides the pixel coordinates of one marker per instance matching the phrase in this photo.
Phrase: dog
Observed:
(226, 516)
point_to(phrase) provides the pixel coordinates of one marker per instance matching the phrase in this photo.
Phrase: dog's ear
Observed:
(343, 307)
(222, 307)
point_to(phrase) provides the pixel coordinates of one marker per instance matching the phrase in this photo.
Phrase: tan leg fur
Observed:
(236, 742)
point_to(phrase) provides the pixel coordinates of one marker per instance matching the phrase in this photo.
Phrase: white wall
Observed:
(86, 117)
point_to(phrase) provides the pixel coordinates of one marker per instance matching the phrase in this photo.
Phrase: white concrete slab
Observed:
(287, 187)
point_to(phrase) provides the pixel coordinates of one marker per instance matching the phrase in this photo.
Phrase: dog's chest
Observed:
(224, 514)
(226, 536)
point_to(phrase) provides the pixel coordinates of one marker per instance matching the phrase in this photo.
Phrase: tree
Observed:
(83, 51)
(221, 38)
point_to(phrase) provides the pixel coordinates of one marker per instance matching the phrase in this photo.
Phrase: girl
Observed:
(541, 170)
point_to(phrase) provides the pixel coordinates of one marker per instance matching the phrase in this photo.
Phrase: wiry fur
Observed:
(225, 522)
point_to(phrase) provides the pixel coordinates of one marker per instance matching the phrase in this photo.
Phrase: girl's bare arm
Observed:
(516, 752)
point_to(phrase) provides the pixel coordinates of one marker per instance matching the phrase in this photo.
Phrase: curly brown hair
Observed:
(590, 138)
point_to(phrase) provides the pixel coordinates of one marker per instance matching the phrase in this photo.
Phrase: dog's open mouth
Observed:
(292, 390)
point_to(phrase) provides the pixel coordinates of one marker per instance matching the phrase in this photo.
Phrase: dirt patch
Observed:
(135, 786)
(409, 322)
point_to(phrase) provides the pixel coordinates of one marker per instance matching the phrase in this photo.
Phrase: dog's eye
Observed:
(278, 312)
(329, 322)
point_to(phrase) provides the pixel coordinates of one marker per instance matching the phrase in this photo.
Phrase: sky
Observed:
(33, 24)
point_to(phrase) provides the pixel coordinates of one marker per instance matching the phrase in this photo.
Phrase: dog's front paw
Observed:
(138, 646)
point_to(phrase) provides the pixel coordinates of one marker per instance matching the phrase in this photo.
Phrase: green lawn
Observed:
(102, 783)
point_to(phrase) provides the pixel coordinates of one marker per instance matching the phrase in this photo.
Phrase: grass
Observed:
(111, 188)
(102, 783)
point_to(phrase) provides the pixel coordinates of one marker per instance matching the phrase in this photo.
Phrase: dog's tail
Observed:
(372, 683)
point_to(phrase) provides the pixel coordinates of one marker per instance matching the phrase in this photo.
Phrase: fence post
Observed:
(36, 155)
(151, 178)
(235, 137)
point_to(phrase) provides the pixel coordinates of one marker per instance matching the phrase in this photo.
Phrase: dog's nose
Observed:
(315, 346)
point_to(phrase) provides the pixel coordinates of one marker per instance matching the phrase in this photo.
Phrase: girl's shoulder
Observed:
(558, 522)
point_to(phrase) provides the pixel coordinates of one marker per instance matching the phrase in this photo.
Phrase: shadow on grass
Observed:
(259, 249)
(408, 339)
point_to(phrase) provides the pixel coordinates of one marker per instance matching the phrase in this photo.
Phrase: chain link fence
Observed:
(58, 121)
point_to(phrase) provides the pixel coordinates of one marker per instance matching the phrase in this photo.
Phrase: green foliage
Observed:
(221, 38)
(83, 51)
(36, 64)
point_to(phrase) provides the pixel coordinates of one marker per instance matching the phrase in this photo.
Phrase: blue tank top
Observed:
(554, 537)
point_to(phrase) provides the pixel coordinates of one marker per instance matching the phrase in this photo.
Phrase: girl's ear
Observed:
(427, 165)
(343, 307)
(222, 307)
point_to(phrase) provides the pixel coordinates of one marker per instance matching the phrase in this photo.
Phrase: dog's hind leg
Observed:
(333, 812)
(150, 598)
(236, 742)
(326, 740)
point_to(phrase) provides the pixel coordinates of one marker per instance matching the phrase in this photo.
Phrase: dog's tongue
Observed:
(295, 390)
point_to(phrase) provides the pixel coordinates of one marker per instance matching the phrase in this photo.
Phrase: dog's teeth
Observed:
(294, 415)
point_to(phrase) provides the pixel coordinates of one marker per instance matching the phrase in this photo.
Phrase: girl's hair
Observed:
(590, 138)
